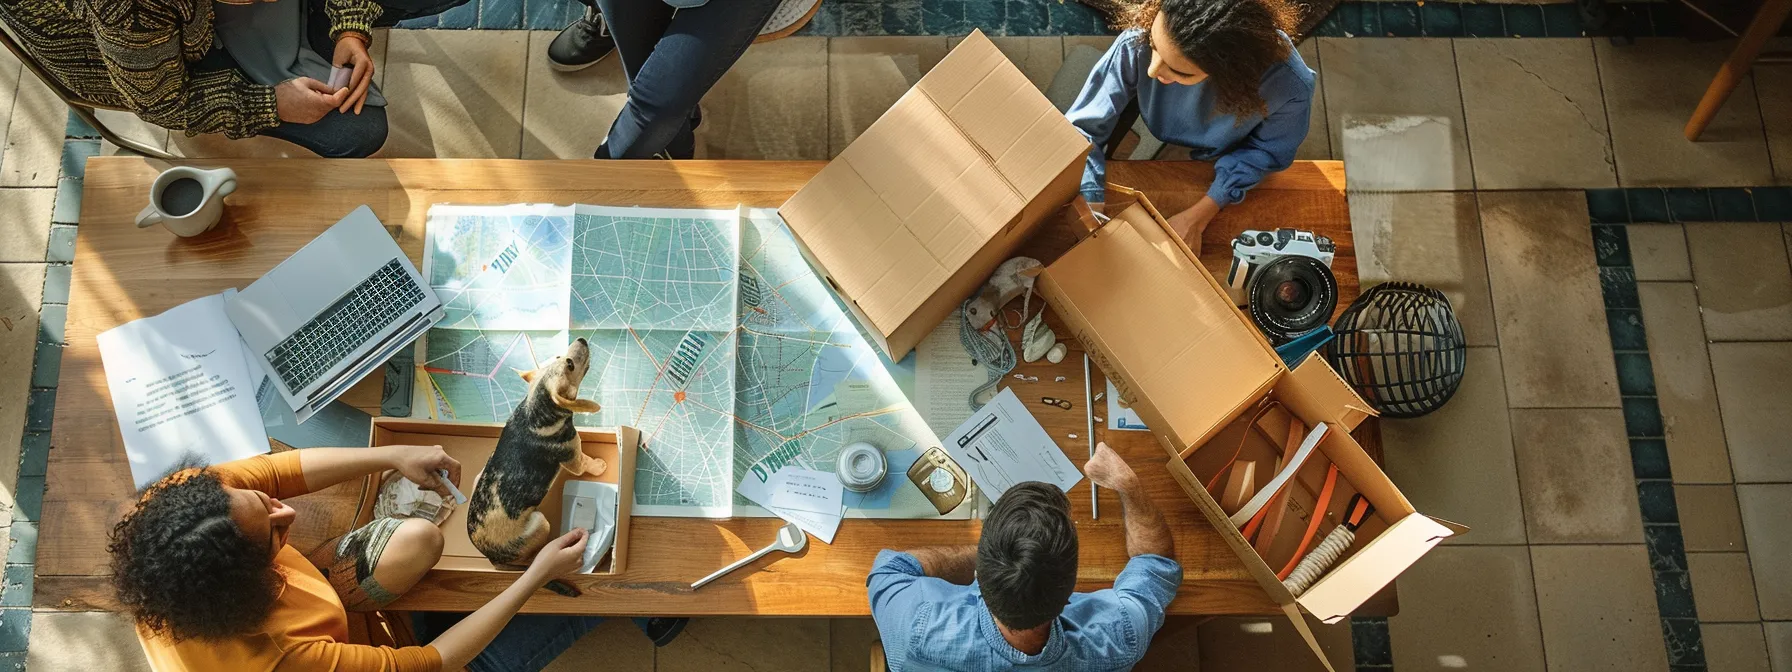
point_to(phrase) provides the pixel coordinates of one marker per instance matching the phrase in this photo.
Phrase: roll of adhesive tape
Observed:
(862, 467)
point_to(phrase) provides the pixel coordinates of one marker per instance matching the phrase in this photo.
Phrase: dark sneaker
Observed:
(582, 44)
(663, 630)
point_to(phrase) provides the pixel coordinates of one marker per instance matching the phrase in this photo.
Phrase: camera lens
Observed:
(1291, 296)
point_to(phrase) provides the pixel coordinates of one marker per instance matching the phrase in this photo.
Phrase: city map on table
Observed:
(708, 332)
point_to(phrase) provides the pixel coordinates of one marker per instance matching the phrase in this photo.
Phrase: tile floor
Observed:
(1603, 497)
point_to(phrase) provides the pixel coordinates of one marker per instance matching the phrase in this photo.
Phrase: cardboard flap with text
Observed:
(909, 211)
(1170, 340)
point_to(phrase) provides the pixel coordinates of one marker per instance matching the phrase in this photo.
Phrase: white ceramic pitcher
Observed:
(197, 217)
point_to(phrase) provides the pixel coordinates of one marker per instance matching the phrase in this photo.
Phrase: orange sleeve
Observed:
(318, 656)
(277, 474)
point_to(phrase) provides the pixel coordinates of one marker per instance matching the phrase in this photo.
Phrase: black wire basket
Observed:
(1400, 346)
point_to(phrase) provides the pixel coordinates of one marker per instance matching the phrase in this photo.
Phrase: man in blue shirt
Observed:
(1009, 603)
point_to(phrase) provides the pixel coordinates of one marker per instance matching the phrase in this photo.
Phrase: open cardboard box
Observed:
(472, 444)
(1195, 368)
(921, 207)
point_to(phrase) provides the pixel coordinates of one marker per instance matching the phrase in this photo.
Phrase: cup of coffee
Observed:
(189, 201)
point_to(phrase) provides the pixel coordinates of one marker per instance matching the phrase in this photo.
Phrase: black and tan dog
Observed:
(537, 441)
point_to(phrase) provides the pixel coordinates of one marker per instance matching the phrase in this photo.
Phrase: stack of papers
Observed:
(814, 500)
(182, 389)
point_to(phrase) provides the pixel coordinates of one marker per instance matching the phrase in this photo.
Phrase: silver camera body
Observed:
(1254, 249)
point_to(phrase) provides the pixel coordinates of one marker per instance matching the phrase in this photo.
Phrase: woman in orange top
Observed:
(203, 564)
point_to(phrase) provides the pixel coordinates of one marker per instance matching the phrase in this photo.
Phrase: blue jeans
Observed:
(527, 644)
(337, 135)
(672, 58)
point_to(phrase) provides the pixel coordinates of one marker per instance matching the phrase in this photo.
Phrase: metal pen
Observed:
(1089, 413)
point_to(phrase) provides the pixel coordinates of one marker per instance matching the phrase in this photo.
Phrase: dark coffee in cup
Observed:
(182, 196)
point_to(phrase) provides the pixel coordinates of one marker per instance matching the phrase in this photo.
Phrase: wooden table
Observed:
(122, 273)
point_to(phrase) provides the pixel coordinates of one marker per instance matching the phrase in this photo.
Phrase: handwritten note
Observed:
(181, 390)
(809, 490)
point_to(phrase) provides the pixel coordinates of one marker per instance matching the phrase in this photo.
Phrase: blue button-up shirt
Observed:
(928, 623)
(1242, 150)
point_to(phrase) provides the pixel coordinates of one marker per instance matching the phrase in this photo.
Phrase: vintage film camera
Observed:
(1284, 279)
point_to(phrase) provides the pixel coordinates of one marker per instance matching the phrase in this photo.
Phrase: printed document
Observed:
(180, 388)
(1002, 445)
(764, 491)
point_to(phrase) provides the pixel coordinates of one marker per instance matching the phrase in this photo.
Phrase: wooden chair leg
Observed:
(1767, 21)
(93, 120)
(877, 657)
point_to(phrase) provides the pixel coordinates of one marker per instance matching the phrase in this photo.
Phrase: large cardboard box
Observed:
(920, 209)
(1198, 372)
(473, 443)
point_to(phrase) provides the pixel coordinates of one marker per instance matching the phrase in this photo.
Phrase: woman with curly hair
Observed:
(1218, 76)
(203, 565)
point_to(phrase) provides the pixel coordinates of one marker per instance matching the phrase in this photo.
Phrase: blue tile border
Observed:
(1356, 18)
(1610, 211)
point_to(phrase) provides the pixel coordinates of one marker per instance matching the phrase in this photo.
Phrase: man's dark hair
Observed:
(1026, 560)
(184, 568)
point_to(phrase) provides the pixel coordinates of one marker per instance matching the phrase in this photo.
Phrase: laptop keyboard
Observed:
(348, 323)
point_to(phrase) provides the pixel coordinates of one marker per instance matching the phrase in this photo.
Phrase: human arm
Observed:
(1267, 148)
(954, 564)
(1189, 223)
(459, 644)
(351, 52)
(1097, 110)
(324, 467)
(1146, 531)
(140, 47)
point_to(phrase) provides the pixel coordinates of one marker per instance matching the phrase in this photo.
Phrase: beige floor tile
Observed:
(1684, 390)
(1546, 300)
(1175, 648)
(1575, 475)
(21, 295)
(10, 71)
(1745, 284)
(730, 644)
(1722, 587)
(1658, 252)
(1774, 85)
(1751, 390)
(615, 645)
(1769, 532)
(455, 93)
(1779, 645)
(850, 642)
(34, 133)
(1457, 463)
(91, 640)
(1734, 647)
(740, 121)
(1037, 57)
(1432, 238)
(1433, 630)
(1270, 643)
(1650, 89)
(1598, 589)
(1536, 116)
(1318, 145)
(25, 223)
(215, 145)
(866, 75)
(1709, 519)
(1368, 79)
(567, 114)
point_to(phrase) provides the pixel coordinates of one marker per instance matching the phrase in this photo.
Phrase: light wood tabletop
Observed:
(122, 273)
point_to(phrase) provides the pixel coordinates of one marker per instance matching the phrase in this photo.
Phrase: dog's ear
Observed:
(576, 405)
(529, 376)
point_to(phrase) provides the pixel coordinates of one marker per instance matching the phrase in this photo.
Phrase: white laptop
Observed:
(333, 312)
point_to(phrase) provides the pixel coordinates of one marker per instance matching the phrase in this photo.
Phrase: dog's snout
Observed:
(581, 341)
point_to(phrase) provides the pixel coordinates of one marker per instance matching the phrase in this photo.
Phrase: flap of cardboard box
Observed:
(1359, 576)
(1160, 327)
(946, 170)
(1320, 392)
